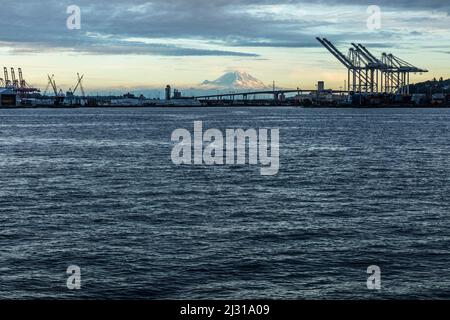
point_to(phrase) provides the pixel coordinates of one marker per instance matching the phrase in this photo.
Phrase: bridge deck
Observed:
(271, 92)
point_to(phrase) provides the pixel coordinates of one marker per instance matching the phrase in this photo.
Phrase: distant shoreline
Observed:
(231, 106)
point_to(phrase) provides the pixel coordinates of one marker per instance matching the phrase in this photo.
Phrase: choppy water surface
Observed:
(96, 188)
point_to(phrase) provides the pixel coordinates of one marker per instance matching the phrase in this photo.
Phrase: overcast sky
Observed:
(142, 43)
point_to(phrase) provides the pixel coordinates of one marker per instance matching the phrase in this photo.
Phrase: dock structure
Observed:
(369, 74)
(20, 85)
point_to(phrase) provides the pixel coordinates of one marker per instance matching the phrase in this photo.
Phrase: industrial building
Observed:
(168, 92)
(8, 98)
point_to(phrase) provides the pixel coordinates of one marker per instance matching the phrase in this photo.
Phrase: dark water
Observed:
(97, 188)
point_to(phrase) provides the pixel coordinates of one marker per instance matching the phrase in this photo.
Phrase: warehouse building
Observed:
(8, 98)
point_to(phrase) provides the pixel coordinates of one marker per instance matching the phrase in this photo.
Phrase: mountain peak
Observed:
(235, 80)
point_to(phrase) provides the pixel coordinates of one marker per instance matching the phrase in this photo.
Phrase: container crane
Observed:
(79, 84)
(6, 81)
(368, 74)
(15, 82)
(22, 82)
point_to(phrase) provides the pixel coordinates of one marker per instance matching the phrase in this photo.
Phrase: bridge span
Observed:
(274, 93)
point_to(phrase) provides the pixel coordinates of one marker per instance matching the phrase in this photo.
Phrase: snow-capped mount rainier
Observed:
(235, 80)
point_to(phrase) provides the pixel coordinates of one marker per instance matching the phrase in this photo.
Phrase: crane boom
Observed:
(364, 54)
(22, 82)
(79, 84)
(13, 78)
(7, 82)
(52, 83)
(339, 53)
(335, 52)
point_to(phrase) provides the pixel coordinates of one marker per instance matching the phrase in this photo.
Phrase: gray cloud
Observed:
(275, 44)
(120, 48)
(40, 25)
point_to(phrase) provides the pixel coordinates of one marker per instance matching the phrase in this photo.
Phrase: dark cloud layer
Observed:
(40, 25)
